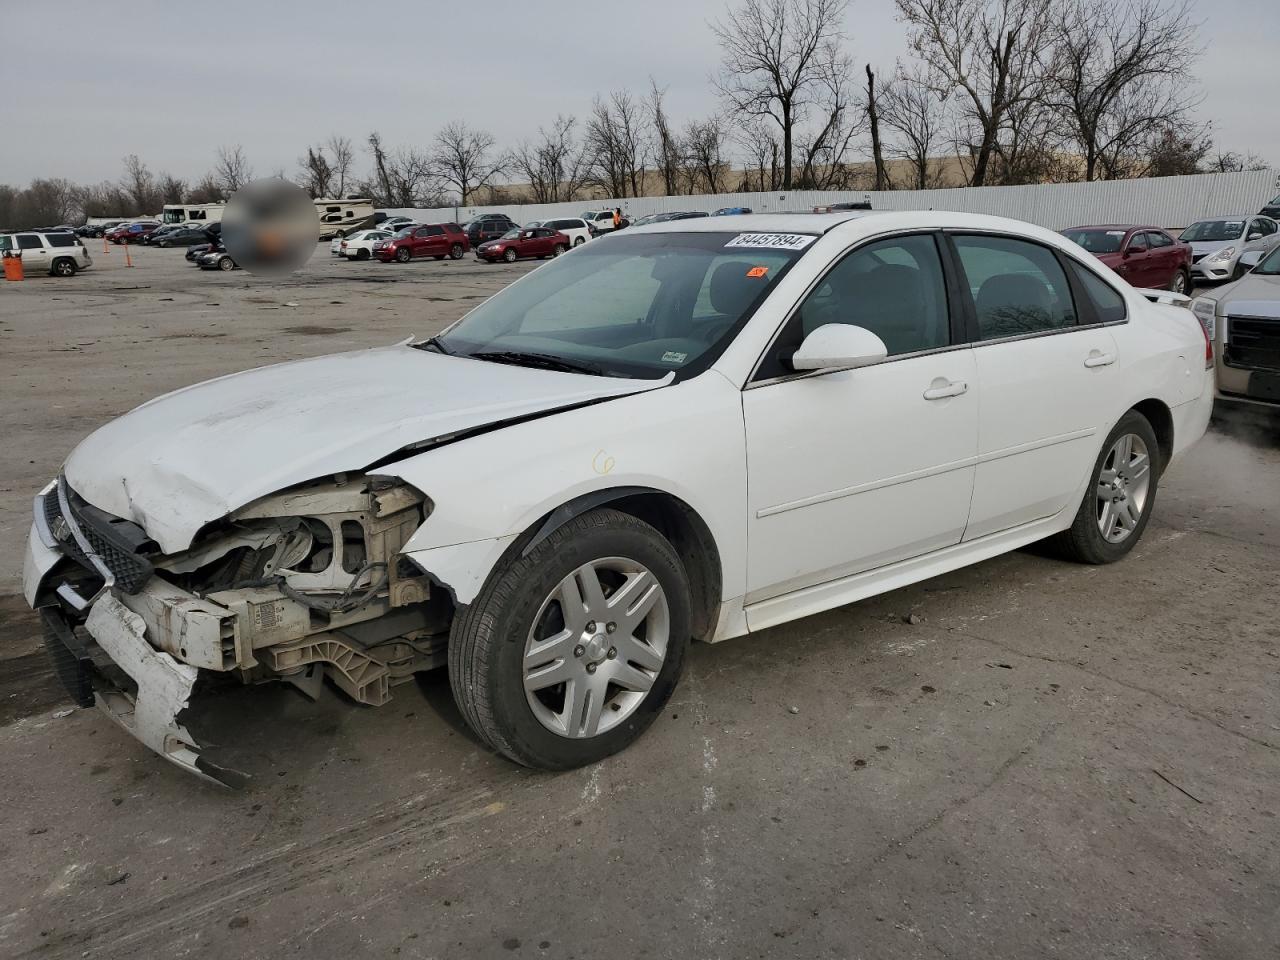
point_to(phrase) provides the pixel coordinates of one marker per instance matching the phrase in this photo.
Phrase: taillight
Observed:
(1205, 311)
(1208, 346)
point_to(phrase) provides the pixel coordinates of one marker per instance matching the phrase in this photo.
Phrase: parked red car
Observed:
(523, 244)
(437, 240)
(132, 232)
(1147, 257)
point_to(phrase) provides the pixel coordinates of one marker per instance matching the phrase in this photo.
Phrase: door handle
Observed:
(940, 391)
(1096, 359)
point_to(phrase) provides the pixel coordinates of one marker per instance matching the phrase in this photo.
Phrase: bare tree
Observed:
(139, 183)
(992, 53)
(1174, 153)
(775, 56)
(404, 177)
(1228, 161)
(171, 189)
(463, 158)
(825, 146)
(705, 168)
(762, 169)
(232, 168)
(342, 159)
(873, 121)
(554, 164)
(316, 172)
(914, 115)
(1120, 72)
(668, 150)
(206, 190)
(617, 143)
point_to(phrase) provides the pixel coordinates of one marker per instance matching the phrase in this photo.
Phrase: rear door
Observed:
(434, 244)
(1166, 260)
(1047, 374)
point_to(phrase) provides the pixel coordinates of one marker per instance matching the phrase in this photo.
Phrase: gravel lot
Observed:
(1055, 761)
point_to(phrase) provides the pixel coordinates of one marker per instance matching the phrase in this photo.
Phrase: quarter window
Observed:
(1108, 305)
(1018, 288)
(61, 240)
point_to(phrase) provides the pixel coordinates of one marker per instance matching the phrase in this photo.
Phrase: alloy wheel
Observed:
(596, 647)
(1124, 483)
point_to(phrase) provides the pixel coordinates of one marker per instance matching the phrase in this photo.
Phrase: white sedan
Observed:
(359, 246)
(693, 430)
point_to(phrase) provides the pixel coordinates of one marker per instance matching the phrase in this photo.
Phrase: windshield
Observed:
(1097, 241)
(511, 234)
(634, 306)
(1270, 265)
(1207, 230)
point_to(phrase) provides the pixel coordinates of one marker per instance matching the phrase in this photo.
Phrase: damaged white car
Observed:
(686, 431)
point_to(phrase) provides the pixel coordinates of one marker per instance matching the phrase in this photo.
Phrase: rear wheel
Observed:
(570, 652)
(578, 241)
(64, 267)
(510, 256)
(403, 255)
(1120, 497)
(362, 254)
(1181, 282)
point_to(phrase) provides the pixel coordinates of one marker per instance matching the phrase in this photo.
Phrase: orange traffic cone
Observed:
(128, 260)
(12, 267)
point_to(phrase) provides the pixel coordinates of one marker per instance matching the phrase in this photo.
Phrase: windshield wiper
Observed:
(434, 343)
(545, 361)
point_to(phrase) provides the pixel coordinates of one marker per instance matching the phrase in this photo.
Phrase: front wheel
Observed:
(403, 255)
(510, 256)
(560, 248)
(571, 651)
(226, 263)
(1120, 496)
(579, 241)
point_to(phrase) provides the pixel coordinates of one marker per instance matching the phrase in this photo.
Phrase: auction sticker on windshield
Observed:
(776, 241)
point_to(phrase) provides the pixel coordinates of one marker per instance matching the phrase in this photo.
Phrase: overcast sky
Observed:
(171, 81)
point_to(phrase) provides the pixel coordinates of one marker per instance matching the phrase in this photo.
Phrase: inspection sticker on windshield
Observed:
(777, 241)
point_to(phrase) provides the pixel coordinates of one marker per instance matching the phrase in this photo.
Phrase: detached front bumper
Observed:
(106, 645)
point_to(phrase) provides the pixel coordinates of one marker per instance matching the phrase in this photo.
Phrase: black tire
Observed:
(226, 263)
(63, 267)
(579, 241)
(1083, 540)
(487, 642)
(362, 254)
(559, 249)
(456, 251)
(1180, 282)
(511, 256)
(403, 255)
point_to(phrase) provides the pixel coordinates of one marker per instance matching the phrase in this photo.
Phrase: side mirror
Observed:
(839, 346)
(1256, 235)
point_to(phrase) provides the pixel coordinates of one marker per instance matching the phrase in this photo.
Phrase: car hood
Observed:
(190, 457)
(1202, 247)
(1255, 295)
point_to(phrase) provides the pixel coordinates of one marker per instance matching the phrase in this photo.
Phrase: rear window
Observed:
(1097, 241)
(60, 239)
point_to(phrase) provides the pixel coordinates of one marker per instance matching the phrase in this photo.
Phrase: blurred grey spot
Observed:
(270, 227)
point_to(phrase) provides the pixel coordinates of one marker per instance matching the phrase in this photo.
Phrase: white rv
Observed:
(341, 217)
(197, 213)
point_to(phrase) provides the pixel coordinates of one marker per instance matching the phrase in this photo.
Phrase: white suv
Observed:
(60, 254)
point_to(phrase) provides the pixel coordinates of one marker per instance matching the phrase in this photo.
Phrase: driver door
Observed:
(849, 470)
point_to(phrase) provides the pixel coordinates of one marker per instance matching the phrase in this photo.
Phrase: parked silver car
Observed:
(1219, 243)
(1243, 321)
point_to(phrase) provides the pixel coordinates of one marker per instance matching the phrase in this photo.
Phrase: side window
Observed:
(1017, 287)
(435, 231)
(29, 241)
(1268, 227)
(1108, 304)
(421, 232)
(1158, 240)
(61, 240)
(198, 215)
(895, 288)
(1138, 243)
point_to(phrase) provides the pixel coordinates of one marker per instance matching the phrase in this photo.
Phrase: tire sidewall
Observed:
(1095, 543)
(553, 561)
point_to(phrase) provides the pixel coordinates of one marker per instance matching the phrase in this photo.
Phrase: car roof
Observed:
(1115, 226)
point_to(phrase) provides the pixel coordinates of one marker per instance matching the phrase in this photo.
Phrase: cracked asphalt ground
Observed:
(1055, 761)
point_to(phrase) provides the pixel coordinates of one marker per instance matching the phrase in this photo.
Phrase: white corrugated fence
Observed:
(1171, 202)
